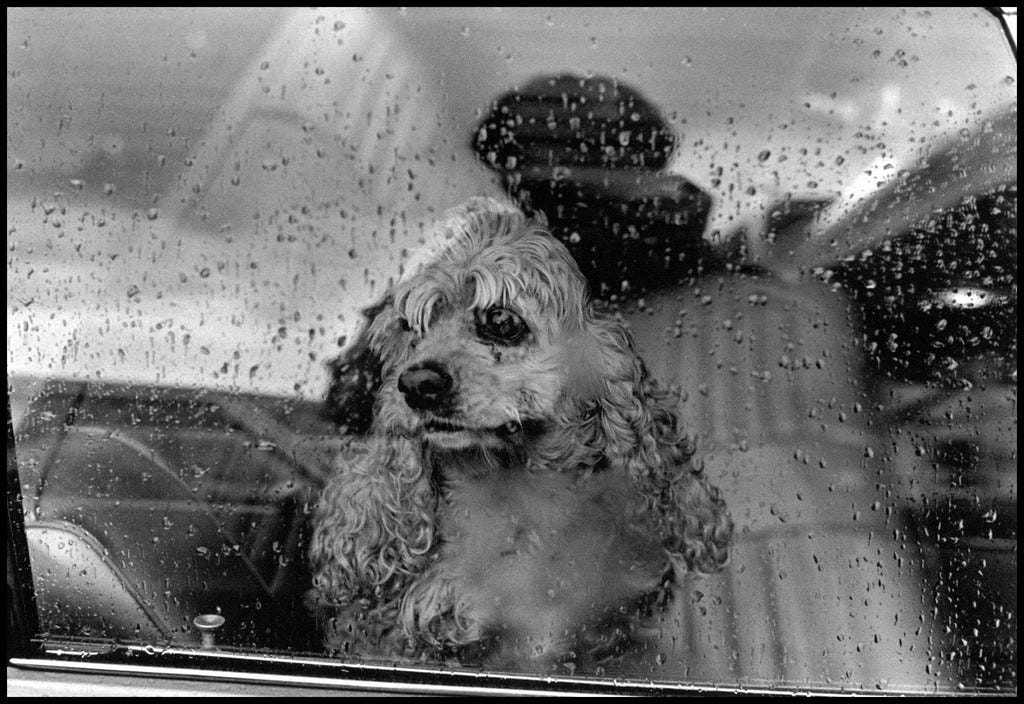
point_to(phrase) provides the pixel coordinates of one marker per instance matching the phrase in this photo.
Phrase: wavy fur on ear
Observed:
(639, 431)
(374, 530)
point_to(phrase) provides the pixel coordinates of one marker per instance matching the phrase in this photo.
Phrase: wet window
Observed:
(638, 347)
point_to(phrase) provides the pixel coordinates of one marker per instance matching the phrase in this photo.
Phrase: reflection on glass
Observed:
(805, 218)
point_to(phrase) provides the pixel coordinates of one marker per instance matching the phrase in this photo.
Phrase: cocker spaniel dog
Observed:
(526, 489)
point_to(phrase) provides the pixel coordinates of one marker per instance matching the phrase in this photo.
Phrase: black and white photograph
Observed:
(511, 351)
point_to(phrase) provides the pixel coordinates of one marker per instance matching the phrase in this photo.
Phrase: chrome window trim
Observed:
(319, 682)
(557, 686)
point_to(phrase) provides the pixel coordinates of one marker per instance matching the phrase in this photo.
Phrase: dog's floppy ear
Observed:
(373, 531)
(355, 379)
(639, 429)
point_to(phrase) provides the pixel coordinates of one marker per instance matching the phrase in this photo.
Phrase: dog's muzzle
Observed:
(427, 386)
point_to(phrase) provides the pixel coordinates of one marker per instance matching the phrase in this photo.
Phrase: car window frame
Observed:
(29, 653)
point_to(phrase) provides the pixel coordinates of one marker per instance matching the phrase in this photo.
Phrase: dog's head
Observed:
(488, 343)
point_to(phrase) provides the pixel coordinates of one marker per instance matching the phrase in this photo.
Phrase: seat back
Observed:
(78, 585)
(822, 585)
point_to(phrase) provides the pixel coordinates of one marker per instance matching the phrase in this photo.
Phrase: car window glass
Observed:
(802, 219)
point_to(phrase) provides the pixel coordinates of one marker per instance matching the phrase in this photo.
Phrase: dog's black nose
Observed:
(426, 386)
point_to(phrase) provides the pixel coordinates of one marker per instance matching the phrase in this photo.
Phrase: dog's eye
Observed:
(500, 325)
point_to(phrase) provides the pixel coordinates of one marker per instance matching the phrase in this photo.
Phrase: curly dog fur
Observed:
(524, 481)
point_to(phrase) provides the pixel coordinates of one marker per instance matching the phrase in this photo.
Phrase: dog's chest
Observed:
(541, 552)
